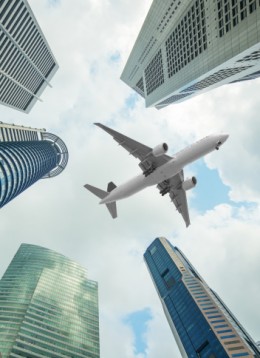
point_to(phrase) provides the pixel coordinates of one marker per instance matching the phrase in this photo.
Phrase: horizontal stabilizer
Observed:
(96, 191)
(112, 209)
(102, 194)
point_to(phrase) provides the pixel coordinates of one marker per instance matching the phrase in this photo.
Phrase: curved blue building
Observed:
(27, 155)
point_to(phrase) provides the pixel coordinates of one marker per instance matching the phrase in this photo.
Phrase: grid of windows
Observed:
(192, 327)
(154, 76)
(13, 94)
(22, 164)
(188, 39)
(232, 12)
(47, 307)
(252, 57)
(26, 61)
(8, 134)
(140, 87)
(166, 19)
(215, 78)
(204, 325)
(173, 99)
(188, 35)
(26, 158)
(252, 76)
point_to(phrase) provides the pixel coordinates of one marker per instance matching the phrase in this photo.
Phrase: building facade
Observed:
(187, 47)
(48, 307)
(26, 61)
(27, 155)
(201, 323)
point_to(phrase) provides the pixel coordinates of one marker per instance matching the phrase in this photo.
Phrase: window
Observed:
(215, 78)
(173, 99)
(221, 326)
(231, 342)
(208, 308)
(154, 76)
(205, 351)
(168, 279)
(252, 7)
(236, 348)
(233, 12)
(224, 331)
(216, 316)
(153, 250)
(228, 336)
(182, 45)
(208, 313)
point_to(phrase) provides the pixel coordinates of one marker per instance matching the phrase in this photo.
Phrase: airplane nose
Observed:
(224, 137)
(221, 139)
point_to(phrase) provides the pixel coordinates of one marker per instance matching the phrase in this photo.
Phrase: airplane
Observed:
(158, 169)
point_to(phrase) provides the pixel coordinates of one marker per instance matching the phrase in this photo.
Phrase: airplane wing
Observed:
(138, 150)
(173, 186)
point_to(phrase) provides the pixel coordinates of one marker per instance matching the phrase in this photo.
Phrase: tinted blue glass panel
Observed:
(221, 325)
(23, 163)
(195, 333)
(229, 336)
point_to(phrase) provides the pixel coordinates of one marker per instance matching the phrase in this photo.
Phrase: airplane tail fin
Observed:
(111, 186)
(102, 194)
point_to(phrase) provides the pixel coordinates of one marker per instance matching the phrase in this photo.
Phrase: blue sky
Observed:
(138, 321)
(210, 190)
(91, 41)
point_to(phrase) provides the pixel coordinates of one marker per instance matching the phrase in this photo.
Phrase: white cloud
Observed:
(60, 214)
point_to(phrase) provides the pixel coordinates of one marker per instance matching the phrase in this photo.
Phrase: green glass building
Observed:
(48, 307)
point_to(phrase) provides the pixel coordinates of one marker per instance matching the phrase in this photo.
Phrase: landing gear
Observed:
(149, 171)
(166, 189)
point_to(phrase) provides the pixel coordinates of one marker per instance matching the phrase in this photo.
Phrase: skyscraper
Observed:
(27, 155)
(48, 307)
(188, 47)
(201, 323)
(26, 61)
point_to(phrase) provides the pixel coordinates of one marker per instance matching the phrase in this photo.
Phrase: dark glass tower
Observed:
(27, 155)
(201, 323)
(48, 307)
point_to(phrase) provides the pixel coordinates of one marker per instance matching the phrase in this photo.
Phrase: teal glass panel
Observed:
(48, 307)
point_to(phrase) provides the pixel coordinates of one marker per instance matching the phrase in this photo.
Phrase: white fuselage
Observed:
(167, 170)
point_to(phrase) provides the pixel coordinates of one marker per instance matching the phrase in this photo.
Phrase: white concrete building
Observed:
(26, 61)
(187, 47)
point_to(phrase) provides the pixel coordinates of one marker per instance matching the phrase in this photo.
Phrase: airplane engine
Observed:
(189, 183)
(160, 149)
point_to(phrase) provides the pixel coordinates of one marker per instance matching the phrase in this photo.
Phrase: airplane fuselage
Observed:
(167, 170)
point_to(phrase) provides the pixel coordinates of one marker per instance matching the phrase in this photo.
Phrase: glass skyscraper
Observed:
(26, 62)
(191, 46)
(201, 323)
(48, 307)
(27, 155)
